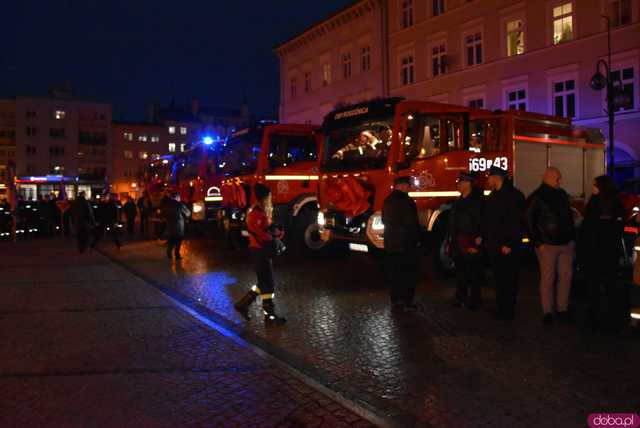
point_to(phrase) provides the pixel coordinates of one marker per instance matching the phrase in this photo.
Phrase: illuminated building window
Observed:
(172, 147)
(365, 59)
(562, 23)
(564, 98)
(143, 155)
(60, 114)
(346, 65)
(407, 13)
(620, 12)
(326, 74)
(183, 130)
(128, 136)
(516, 99)
(515, 37)
(172, 130)
(437, 7)
(142, 138)
(155, 156)
(438, 59)
(407, 76)
(155, 139)
(183, 147)
(128, 154)
(473, 48)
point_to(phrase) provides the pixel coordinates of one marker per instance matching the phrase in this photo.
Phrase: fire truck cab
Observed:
(368, 145)
(284, 157)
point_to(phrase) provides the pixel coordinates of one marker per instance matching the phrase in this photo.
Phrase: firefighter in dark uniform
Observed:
(465, 234)
(504, 217)
(262, 237)
(401, 235)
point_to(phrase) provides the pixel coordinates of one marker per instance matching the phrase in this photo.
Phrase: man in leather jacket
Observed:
(551, 229)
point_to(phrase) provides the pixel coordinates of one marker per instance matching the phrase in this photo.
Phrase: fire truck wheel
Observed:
(308, 231)
(443, 262)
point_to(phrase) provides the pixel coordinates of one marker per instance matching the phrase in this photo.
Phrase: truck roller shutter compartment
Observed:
(530, 161)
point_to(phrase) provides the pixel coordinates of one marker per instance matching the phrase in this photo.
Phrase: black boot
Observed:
(243, 304)
(270, 317)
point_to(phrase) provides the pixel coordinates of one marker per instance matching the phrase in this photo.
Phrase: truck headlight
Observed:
(321, 220)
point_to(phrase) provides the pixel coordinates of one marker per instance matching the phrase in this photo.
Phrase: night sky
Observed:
(134, 52)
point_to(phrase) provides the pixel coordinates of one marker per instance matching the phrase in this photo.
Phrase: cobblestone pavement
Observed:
(440, 367)
(86, 343)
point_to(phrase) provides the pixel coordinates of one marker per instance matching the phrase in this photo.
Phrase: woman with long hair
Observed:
(262, 234)
(600, 247)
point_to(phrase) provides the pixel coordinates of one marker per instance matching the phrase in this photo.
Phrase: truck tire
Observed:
(442, 261)
(307, 231)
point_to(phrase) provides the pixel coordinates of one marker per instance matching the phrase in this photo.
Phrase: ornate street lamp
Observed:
(598, 83)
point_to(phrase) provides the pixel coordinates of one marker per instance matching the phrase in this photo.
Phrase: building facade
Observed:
(7, 145)
(537, 55)
(135, 145)
(340, 59)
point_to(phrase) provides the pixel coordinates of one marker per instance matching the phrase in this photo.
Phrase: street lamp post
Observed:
(599, 82)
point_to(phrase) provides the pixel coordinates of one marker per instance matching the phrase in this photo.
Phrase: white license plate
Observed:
(361, 248)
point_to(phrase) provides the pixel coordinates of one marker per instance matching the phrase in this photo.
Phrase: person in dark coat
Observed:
(54, 214)
(600, 247)
(551, 229)
(144, 208)
(504, 217)
(107, 221)
(83, 220)
(130, 212)
(465, 234)
(401, 235)
(175, 214)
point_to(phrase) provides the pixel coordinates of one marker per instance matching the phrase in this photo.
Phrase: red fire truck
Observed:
(367, 145)
(283, 157)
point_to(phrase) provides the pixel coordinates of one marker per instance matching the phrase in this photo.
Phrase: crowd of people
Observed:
(492, 228)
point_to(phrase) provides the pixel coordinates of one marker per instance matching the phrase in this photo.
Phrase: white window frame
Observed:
(347, 65)
(172, 147)
(410, 66)
(441, 55)
(563, 76)
(621, 64)
(504, 24)
(155, 139)
(183, 130)
(406, 13)
(522, 85)
(172, 130)
(465, 34)
(441, 6)
(183, 147)
(551, 20)
(365, 58)
(142, 138)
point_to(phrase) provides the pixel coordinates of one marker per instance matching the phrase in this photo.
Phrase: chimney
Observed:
(195, 106)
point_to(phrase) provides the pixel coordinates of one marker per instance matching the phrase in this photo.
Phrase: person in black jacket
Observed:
(107, 221)
(401, 234)
(465, 234)
(130, 212)
(600, 247)
(504, 212)
(175, 214)
(83, 220)
(145, 209)
(551, 229)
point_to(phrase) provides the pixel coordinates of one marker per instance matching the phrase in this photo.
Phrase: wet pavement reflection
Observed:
(441, 366)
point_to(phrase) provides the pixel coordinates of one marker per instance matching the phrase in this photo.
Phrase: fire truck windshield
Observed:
(240, 156)
(361, 146)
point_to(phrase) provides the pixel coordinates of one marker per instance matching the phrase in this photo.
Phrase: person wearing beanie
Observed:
(262, 235)
(504, 218)
(465, 233)
(401, 234)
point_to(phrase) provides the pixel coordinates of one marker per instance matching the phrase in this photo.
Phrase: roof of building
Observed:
(318, 23)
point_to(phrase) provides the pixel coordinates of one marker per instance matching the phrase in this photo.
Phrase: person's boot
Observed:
(270, 317)
(243, 304)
